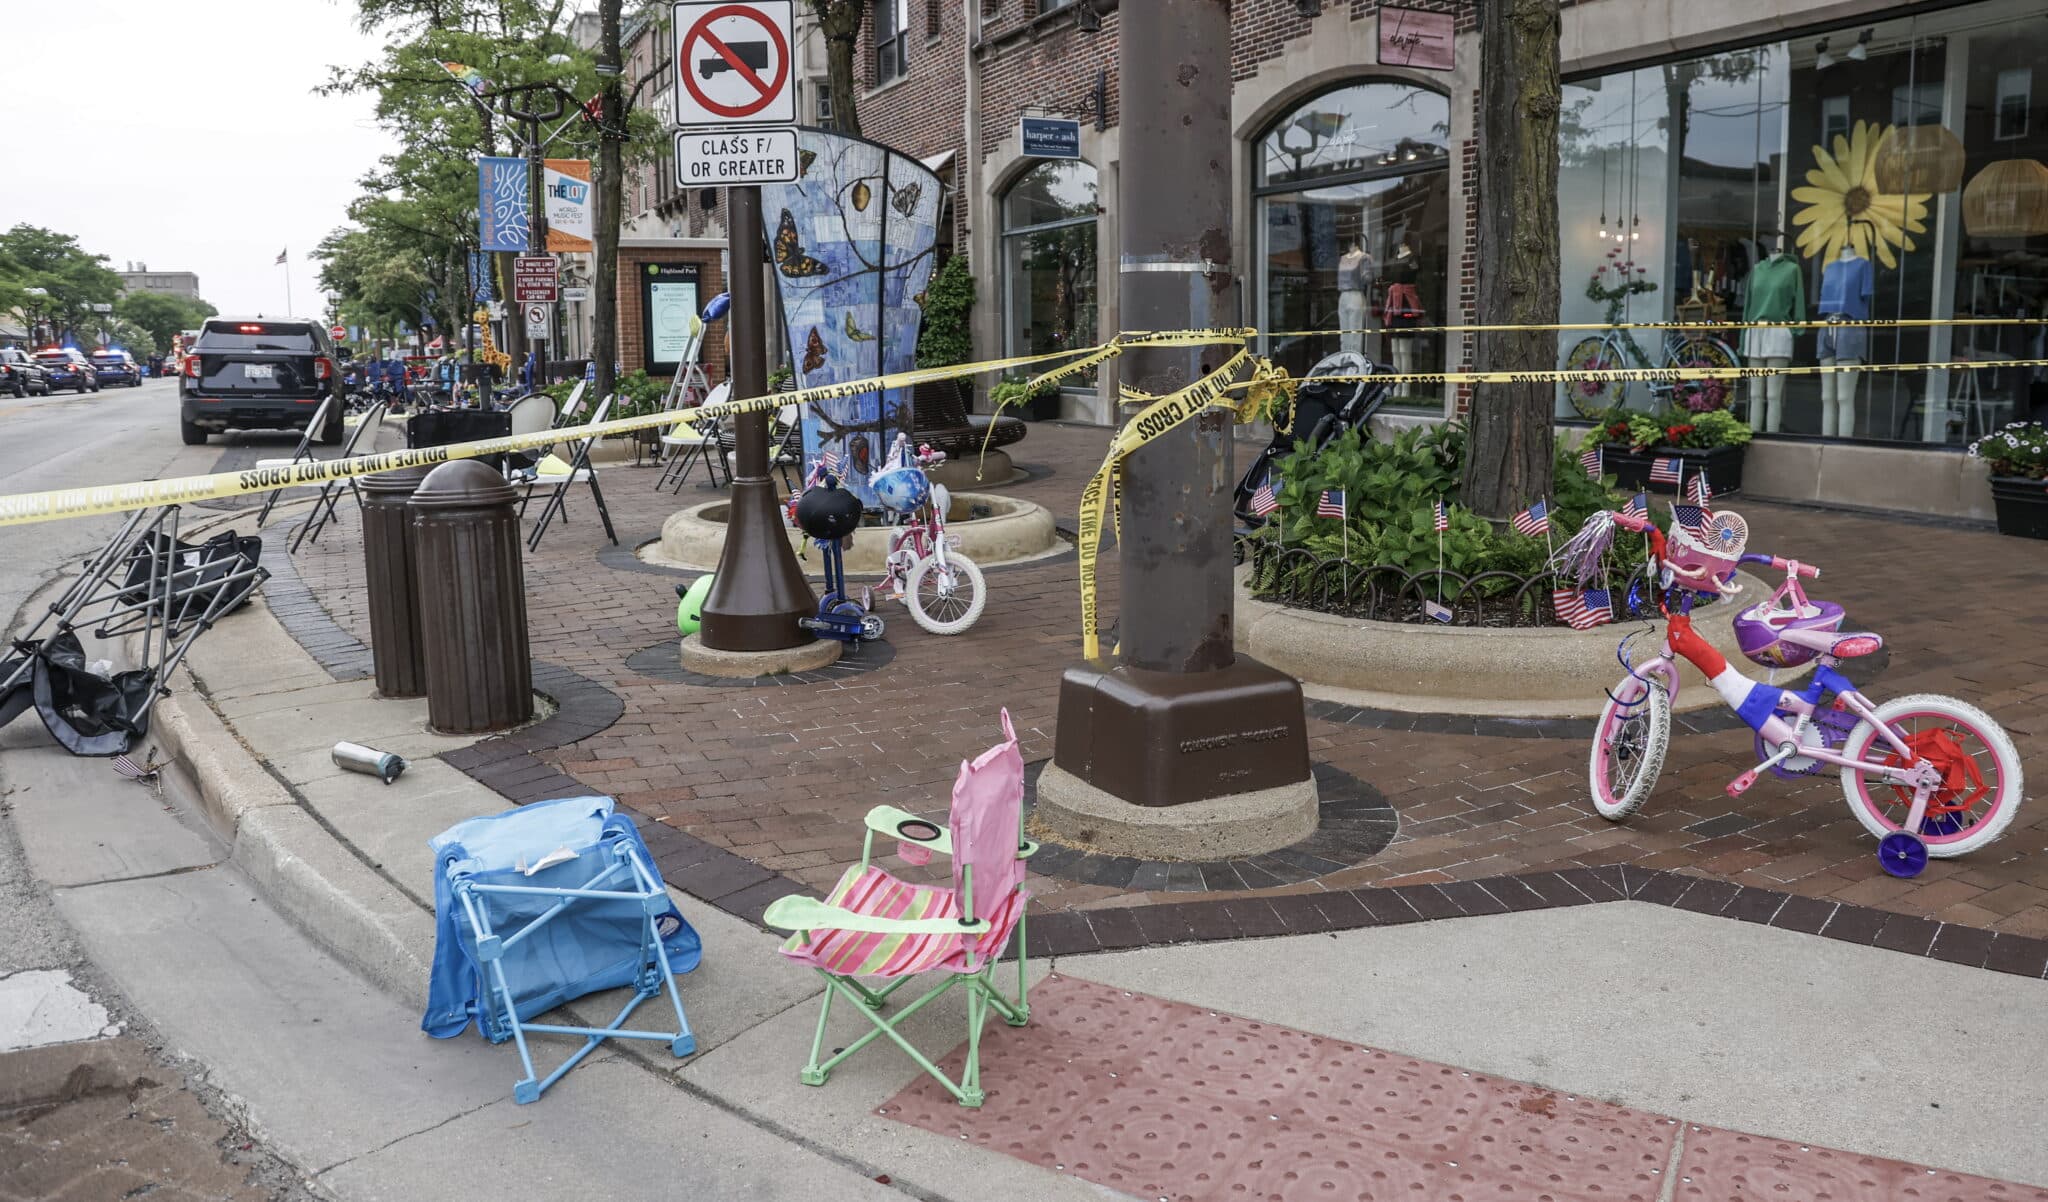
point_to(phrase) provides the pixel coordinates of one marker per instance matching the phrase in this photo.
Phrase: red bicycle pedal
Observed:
(1740, 784)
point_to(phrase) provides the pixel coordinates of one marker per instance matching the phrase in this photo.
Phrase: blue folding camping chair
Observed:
(539, 905)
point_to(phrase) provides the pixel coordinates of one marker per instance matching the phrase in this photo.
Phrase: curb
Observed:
(300, 866)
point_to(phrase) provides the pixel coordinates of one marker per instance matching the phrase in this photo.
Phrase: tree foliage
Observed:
(162, 315)
(944, 337)
(71, 280)
(405, 257)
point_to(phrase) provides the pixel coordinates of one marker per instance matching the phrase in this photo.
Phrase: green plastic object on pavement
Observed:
(690, 610)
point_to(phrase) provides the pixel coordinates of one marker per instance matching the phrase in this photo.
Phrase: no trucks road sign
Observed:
(732, 63)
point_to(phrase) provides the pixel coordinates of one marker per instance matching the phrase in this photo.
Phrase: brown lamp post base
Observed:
(1167, 738)
(760, 591)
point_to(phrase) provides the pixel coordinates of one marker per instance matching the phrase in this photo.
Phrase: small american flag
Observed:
(1534, 520)
(1583, 611)
(1331, 504)
(829, 461)
(1697, 489)
(1636, 506)
(1691, 518)
(1590, 459)
(1666, 471)
(1437, 610)
(1267, 499)
(281, 257)
(1443, 518)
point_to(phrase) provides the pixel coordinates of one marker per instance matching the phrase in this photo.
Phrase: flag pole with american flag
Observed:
(284, 260)
(1441, 519)
(1332, 504)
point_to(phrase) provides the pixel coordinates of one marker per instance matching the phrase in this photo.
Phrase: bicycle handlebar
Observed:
(1790, 567)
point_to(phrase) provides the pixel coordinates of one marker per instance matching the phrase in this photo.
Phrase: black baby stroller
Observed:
(1323, 409)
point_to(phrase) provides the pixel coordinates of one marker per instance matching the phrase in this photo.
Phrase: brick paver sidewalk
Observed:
(1159, 1099)
(781, 775)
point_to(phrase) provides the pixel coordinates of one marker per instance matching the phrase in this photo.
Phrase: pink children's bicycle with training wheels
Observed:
(1927, 775)
(942, 588)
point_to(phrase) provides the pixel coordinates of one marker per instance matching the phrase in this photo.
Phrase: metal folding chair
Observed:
(580, 472)
(302, 452)
(687, 446)
(144, 580)
(539, 905)
(876, 926)
(330, 492)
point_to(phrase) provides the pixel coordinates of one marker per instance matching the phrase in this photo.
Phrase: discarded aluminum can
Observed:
(369, 761)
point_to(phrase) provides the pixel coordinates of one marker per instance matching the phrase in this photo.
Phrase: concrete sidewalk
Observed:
(1744, 1027)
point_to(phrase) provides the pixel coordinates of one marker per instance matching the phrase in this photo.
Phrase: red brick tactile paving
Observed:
(781, 776)
(1163, 1100)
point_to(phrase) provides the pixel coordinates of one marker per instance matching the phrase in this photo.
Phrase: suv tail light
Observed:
(192, 367)
(323, 368)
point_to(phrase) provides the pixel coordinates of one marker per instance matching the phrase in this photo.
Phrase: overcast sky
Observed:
(190, 137)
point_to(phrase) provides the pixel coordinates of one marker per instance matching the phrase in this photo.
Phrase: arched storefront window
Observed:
(1352, 189)
(1049, 261)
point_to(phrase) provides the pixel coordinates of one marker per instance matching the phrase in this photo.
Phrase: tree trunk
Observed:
(839, 21)
(611, 193)
(1508, 456)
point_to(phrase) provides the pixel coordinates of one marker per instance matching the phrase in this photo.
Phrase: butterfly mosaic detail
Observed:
(905, 198)
(790, 258)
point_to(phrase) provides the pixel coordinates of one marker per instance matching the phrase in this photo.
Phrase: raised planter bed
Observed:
(1632, 468)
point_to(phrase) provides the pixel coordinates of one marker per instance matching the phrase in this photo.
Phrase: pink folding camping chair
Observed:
(876, 926)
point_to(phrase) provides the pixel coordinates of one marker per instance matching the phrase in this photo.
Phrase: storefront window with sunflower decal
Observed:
(1844, 208)
(1879, 170)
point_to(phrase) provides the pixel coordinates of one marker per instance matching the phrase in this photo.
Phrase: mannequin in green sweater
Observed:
(1777, 292)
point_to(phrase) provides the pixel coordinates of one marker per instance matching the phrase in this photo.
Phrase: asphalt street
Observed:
(123, 1112)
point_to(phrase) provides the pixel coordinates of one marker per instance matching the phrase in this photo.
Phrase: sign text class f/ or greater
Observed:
(733, 63)
(720, 159)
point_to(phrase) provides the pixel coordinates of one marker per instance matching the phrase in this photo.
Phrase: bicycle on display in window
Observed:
(1614, 349)
(1927, 775)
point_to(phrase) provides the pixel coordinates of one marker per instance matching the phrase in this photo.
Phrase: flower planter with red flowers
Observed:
(1631, 467)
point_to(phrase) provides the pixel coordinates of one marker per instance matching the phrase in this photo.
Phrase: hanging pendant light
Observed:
(1919, 159)
(2008, 199)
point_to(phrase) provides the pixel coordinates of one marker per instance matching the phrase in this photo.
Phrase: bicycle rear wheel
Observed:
(1628, 747)
(1980, 768)
(1594, 397)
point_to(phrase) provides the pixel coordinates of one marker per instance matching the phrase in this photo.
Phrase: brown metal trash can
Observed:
(472, 599)
(388, 570)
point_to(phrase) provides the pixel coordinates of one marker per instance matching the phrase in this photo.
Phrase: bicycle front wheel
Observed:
(1704, 396)
(1628, 747)
(1593, 397)
(1980, 771)
(945, 598)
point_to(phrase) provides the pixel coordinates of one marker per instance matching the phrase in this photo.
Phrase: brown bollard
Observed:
(472, 599)
(389, 569)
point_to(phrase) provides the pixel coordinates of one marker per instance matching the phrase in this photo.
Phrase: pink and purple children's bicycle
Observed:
(1927, 775)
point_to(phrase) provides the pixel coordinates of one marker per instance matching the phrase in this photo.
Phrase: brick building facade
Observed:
(1343, 158)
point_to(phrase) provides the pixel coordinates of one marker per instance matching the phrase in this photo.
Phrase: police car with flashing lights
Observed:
(68, 369)
(116, 367)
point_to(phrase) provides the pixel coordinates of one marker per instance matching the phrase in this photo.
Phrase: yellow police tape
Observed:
(1159, 415)
(24, 508)
(1701, 324)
